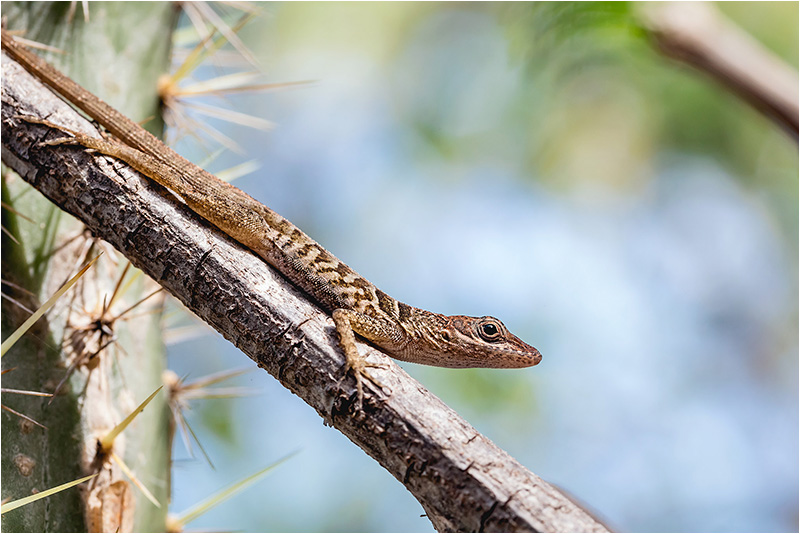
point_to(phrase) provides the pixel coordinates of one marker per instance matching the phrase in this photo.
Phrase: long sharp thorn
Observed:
(22, 415)
(114, 293)
(9, 342)
(204, 506)
(42, 494)
(108, 440)
(129, 308)
(136, 482)
(24, 392)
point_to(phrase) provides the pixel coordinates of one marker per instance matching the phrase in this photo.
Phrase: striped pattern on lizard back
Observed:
(407, 333)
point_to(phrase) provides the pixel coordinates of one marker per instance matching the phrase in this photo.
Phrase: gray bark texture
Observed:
(463, 481)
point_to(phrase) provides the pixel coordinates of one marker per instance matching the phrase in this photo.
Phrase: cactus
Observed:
(113, 364)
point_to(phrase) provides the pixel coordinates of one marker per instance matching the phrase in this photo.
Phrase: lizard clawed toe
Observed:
(74, 140)
(358, 365)
(57, 142)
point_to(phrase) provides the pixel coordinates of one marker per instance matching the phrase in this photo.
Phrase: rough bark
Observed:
(463, 480)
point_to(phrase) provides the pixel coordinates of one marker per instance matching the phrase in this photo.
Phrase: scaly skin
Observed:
(407, 333)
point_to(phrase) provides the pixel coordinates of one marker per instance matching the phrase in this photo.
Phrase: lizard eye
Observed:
(489, 331)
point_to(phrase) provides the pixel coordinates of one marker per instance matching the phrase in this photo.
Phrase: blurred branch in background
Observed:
(696, 33)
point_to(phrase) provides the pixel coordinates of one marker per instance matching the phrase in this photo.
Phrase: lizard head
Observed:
(462, 341)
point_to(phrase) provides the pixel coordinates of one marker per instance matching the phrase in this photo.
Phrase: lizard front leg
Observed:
(378, 331)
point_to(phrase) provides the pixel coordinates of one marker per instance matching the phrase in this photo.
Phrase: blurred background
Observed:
(542, 163)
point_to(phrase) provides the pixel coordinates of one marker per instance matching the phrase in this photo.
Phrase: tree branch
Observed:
(697, 34)
(463, 481)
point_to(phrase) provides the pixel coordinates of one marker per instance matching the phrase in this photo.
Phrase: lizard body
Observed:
(356, 305)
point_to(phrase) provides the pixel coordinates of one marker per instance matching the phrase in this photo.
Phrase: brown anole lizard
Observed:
(406, 333)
